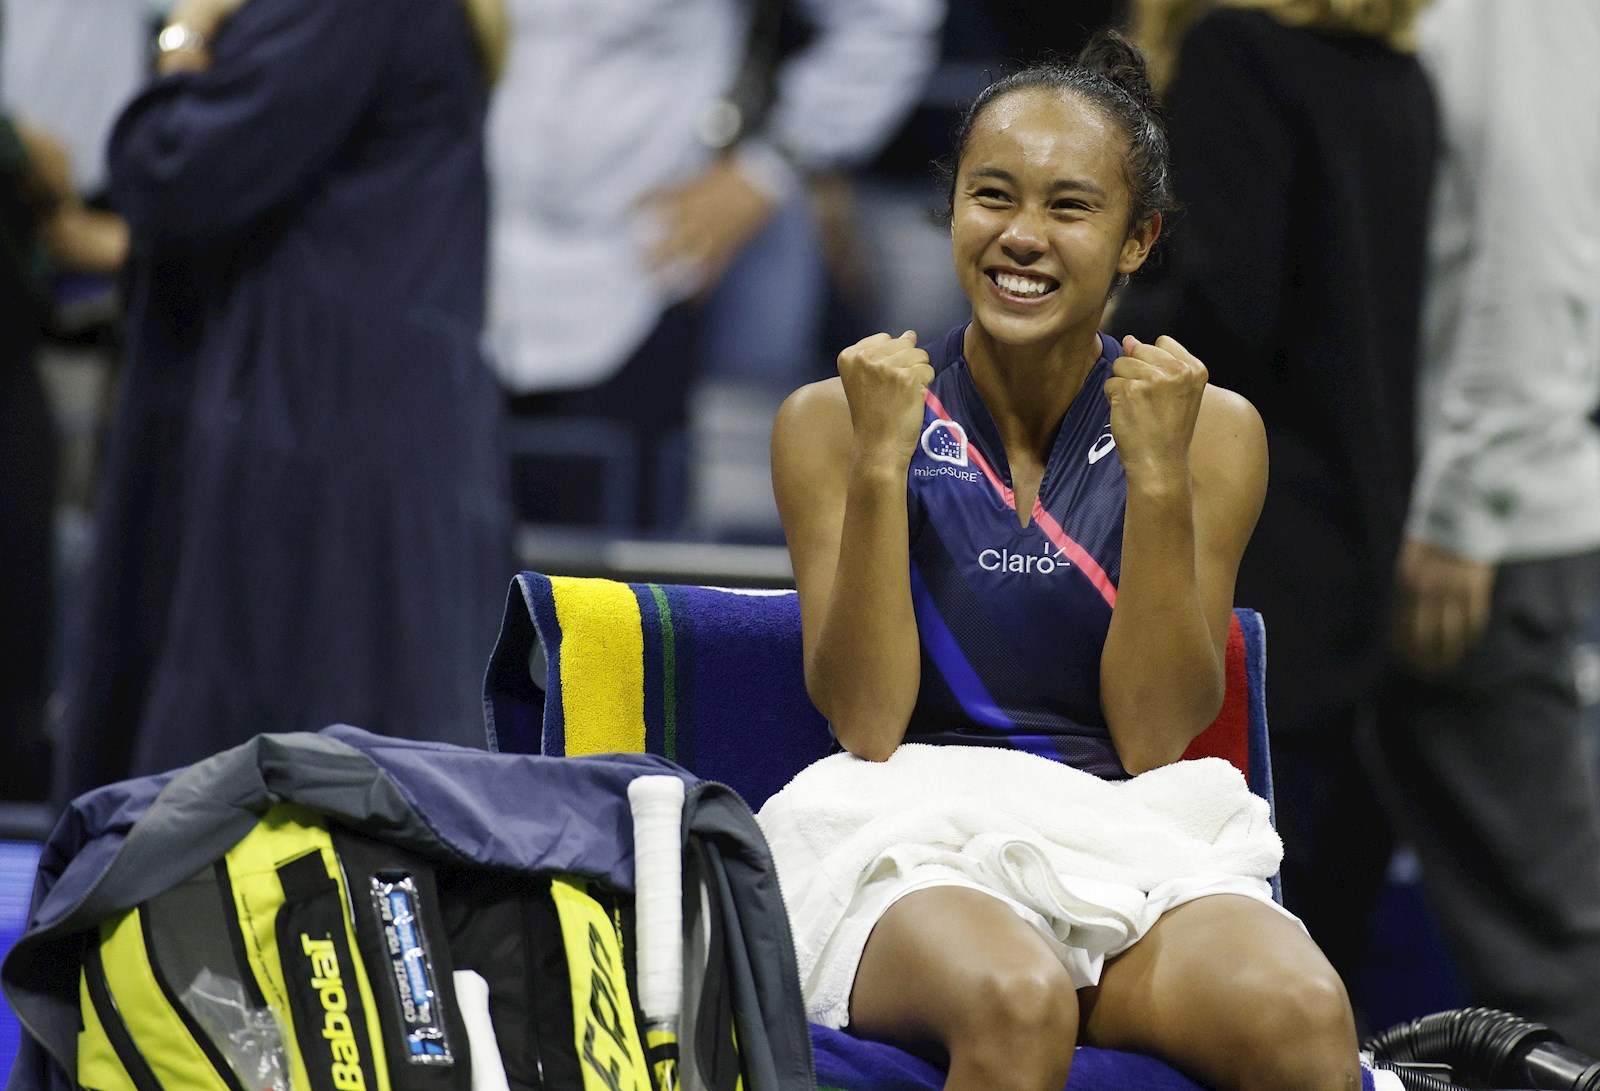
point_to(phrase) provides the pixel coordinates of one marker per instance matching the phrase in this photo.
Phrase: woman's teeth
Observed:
(1018, 285)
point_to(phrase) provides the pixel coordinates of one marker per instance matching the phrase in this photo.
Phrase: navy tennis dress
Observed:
(1012, 622)
(1012, 619)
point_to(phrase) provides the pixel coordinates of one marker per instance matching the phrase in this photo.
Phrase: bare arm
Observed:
(841, 450)
(1195, 457)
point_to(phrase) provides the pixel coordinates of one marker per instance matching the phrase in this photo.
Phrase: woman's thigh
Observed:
(1221, 987)
(945, 960)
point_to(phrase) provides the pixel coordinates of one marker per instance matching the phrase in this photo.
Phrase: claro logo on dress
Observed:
(1025, 564)
(945, 441)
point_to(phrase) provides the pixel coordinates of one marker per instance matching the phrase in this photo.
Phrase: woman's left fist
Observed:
(1154, 392)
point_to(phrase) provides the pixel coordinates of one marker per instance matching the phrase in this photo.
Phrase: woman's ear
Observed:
(1136, 247)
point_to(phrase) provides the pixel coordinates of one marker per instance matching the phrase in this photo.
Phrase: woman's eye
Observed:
(990, 196)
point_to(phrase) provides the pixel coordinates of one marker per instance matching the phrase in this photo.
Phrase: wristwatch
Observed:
(180, 38)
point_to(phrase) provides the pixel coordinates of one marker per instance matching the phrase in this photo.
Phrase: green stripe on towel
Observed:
(669, 676)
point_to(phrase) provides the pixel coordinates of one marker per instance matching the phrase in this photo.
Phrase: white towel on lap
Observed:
(1096, 860)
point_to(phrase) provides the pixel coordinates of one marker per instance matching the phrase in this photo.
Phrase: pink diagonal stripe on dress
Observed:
(1041, 518)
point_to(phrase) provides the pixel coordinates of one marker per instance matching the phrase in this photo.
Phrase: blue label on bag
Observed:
(397, 904)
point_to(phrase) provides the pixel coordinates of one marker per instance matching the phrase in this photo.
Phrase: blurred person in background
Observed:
(45, 229)
(638, 149)
(1483, 734)
(1303, 143)
(27, 474)
(301, 519)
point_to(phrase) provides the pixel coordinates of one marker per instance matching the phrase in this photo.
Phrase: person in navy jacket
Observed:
(301, 520)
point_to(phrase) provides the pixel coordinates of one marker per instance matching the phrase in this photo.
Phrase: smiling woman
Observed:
(927, 493)
(1041, 226)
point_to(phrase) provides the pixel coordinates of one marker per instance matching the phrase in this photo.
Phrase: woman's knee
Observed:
(1298, 1032)
(1024, 1000)
(1020, 1026)
(958, 971)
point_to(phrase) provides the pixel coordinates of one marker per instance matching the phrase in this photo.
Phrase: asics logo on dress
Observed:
(1102, 447)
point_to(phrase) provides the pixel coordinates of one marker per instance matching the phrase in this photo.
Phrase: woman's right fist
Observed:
(884, 380)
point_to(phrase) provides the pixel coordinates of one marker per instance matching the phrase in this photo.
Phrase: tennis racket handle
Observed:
(657, 803)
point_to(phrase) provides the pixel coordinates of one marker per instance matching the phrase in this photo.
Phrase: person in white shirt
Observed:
(615, 197)
(1483, 742)
(71, 68)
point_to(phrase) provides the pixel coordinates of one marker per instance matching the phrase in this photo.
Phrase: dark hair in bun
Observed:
(1111, 73)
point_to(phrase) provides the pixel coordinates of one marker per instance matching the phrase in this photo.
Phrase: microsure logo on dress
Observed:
(336, 1026)
(945, 441)
(1026, 564)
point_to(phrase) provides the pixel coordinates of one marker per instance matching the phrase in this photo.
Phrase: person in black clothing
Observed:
(45, 228)
(27, 483)
(1303, 144)
(301, 518)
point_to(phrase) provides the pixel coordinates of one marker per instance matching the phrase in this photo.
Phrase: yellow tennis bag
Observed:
(339, 910)
(311, 957)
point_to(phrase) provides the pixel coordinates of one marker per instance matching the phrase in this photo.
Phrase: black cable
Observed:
(1486, 1048)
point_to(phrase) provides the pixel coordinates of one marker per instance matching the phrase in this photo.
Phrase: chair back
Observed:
(712, 678)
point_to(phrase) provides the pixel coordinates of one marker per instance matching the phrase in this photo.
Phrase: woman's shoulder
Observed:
(825, 397)
(948, 348)
(1230, 439)
(815, 417)
(812, 439)
(1229, 416)
(1228, 405)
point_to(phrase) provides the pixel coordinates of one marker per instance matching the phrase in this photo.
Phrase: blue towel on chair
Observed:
(709, 677)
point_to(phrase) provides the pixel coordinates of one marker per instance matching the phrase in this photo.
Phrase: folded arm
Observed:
(208, 152)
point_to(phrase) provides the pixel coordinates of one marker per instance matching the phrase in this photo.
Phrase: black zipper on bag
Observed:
(208, 1047)
(105, 1009)
(624, 924)
(531, 962)
(230, 921)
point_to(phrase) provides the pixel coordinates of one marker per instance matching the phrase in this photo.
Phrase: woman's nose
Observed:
(1023, 238)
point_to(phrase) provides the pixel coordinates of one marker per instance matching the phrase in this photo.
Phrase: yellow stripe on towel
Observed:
(602, 665)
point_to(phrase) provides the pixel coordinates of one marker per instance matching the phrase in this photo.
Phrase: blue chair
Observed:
(18, 860)
(712, 678)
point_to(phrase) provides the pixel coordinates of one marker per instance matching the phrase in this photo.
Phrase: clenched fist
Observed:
(884, 379)
(1155, 393)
